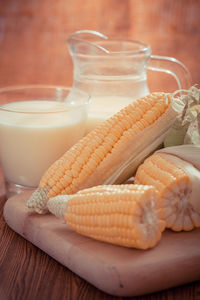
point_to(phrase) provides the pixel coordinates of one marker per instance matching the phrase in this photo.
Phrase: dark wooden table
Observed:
(27, 273)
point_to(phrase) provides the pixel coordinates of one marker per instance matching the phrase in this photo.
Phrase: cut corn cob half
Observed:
(111, 152)
(124, 215)
(175, 173)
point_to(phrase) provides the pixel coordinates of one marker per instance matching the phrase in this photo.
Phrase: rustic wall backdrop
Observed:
(33, 34)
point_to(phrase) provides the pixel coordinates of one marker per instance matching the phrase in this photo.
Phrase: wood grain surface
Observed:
(33, 50)
(27, 273)
(115, 270)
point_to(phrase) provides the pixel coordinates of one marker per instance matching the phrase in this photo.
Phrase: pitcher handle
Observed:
(173, 67)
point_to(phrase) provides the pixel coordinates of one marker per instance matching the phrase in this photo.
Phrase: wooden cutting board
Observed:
(113, 269)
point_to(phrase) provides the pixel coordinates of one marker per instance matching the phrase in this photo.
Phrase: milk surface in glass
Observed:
(32, 139)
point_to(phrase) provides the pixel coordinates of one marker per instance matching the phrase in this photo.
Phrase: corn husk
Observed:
(186, 128)
(192, 135)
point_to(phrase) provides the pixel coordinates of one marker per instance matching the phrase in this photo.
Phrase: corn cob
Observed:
(175, 173)
(124, 215)
(111, 152)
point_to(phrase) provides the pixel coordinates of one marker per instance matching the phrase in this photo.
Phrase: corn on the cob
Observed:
(175, 173)
(111, 152)
(125, 215)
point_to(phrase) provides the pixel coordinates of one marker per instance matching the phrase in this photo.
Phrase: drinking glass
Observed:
(38, 123)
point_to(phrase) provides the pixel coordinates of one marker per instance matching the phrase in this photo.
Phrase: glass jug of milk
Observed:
(114, 71)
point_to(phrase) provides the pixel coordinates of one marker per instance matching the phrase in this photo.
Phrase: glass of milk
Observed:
(38, 124)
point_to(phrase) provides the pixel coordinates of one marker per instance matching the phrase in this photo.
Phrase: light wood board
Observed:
(115, 270)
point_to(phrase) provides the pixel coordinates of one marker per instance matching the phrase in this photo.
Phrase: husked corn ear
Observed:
(111, 152)
(125, 215)
(175, 173)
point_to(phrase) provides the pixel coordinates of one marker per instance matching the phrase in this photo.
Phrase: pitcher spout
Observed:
(86, 41)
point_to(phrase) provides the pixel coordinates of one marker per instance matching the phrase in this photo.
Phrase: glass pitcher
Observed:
(114, 71)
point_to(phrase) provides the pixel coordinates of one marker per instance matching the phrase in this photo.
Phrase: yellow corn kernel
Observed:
(125, 215)
(111, 152)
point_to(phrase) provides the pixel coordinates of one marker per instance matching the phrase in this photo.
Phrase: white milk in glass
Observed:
(31, 142)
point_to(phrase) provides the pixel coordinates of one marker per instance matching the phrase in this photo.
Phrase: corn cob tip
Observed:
(38, 200)
(57, 205)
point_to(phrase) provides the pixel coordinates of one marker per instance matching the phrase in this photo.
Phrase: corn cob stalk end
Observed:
(57, 205)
